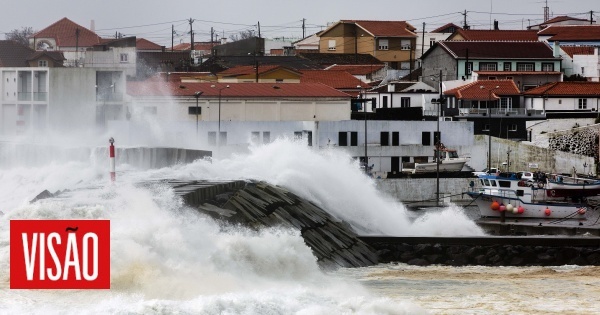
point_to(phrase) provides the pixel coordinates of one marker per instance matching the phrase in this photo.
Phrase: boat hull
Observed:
(531, 210)
(445, 166)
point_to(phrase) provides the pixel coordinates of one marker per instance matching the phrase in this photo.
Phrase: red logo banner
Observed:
(60, 254)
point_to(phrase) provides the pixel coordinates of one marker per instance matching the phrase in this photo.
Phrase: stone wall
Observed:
(580, 141)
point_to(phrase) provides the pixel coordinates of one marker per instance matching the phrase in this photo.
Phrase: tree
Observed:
(20, 35)
(242, 35)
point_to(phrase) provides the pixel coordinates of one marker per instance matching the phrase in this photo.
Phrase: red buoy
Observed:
(547, 212)
(495, 205)
(502, 208)
(111, 155)
(520, 209)
(582, 211)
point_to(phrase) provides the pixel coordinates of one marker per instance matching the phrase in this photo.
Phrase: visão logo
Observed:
(60, 254)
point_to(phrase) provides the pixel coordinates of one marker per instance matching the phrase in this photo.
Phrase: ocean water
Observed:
(167, 258)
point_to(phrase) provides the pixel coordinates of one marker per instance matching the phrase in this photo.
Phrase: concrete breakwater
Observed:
(489, 251)
(33, 155)
(422, 191)
(260, 205)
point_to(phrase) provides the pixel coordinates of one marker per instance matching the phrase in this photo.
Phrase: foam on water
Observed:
(166, 257)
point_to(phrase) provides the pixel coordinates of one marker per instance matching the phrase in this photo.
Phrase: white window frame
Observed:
(42, 63)
(488, 66)
(405, 44)
(526, 66)
(512, 127)
(124, 58)
(384, 44)
(547, 66)
(331, 45)
(432, 41)
(404, 102)
(582, 103)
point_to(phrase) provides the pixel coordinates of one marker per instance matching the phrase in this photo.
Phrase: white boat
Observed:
(447, 159)
(506, 194)
(560, 186)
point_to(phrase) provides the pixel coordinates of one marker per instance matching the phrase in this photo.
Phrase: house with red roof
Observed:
(571, 35)
(459, 59)
(66, 36)
(428, 39)
(259, 74)
(494, 35)
(364, 73)
(574, 99)
(494, 106)
(338, 79)
(392, 42)
(559, 21)
(581, 61)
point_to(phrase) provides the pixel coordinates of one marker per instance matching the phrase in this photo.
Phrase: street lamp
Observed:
(219, 128)
(364, 104)
(197, 95)
(489, 124)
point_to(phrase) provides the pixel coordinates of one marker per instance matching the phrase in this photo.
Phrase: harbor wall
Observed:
(422, 191)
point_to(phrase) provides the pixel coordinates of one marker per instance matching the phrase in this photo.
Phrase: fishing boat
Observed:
(446, 159)
(560, 186)
(505, 194)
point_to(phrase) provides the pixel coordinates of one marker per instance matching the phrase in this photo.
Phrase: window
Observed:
(506, 102)
(509, 78)
(431, 42)
(426, 138)
(212, 138)
(331, 44)
(124, 58)
(437, 137)
(266, 137)
(582, 103)
(491, 78)
(488, 66)
(310, 138)
(384, 138)
(223, 138)
(193, 110)
(468, 68)
(383, 44)
(559, 102)
(353, 138)
(297, 135)
(405, 102)
(342, 139)
(396, 138)
(255, 136)
(42, 63)
(405, 44)
(512, 127)
(547, 66)
(486, 127)
(404, 65)
(525, 66)
(507, 66)
(384, 101)
(582, 70)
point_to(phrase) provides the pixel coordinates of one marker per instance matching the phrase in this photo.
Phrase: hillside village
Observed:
(384, 91)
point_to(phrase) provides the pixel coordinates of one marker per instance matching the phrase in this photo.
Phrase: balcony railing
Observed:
(500, 112)
(37, 96)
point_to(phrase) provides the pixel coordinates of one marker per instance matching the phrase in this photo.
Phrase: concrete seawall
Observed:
(422, 191)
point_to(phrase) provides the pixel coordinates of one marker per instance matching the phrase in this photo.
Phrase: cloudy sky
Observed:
(152, 19)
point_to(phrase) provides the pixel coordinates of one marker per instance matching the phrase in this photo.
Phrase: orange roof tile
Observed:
(385, 28)
(64, 32)
(560, 18)
(578, 50)
(498, 35)
(144, 44)
(496, 49)
(480, 90)
(245, 70)
(448, 26)
(574, 88)
(235, 90)
(357, 69)
(337, 79)
(517, 72)
(571, 32)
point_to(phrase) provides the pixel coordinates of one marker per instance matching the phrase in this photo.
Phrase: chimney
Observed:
(93, 26)
(496, 25)
(556, 49)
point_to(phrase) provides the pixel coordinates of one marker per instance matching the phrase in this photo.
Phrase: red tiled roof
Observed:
(357, 69)
(144, 44)
(385, 28)
(480, 90)
(498, 35)
(446, 26)
(517, 72)
(197, 46)
(571, 32)
(560, 18)
(245, 70)
(337, 79)
(64, 32)
(574, 88)
(497, 49)
(235, 90)
(578, 50)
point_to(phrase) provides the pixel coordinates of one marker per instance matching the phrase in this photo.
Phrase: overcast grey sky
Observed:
(152, 19)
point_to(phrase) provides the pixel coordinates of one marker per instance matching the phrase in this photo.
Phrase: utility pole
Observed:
(303, 28)
(465, 26)
(546, 12)
(212, 31)
(437, 148)
(191, 21)
(77, 47)
(591, 17)
(172, 37)
(423, 40)
(258, 29)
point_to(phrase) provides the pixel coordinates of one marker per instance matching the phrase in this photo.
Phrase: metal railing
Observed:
(500, 112)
